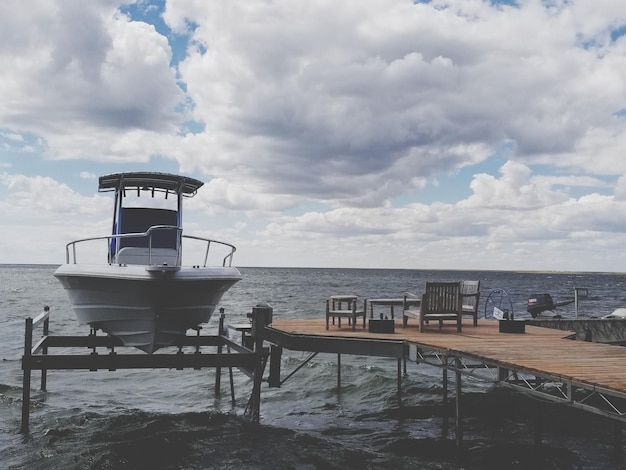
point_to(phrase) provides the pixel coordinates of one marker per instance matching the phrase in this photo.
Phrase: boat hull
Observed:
(147, 309)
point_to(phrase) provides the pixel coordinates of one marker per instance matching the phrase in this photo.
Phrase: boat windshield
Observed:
(148, 207)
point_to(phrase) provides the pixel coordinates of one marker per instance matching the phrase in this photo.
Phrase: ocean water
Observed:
(167, 419)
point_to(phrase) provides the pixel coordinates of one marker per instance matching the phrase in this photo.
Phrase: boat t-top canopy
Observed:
(150, 181)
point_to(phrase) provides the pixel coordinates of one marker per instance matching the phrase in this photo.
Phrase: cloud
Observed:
(43, 198)
(297, 98)
(515, 190)
(82, 71)
(516, 216)
(42, 215)
(341, 124)
(220, 195)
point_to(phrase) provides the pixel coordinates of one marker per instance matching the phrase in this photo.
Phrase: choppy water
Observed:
(173, 419)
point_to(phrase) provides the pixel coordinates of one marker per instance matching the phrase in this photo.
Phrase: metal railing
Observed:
(228, 257)
(72, 258)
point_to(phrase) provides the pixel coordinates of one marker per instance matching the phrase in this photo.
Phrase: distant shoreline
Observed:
(521, 271)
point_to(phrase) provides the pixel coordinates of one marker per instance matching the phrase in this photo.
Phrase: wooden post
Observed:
(26, 363)
(275, 358)
(261, 316)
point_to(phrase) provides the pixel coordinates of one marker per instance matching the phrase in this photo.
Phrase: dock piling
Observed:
(218, 370)
(538, 431)
(618, 448)
(46, 331)
(261, 316)
(400, 382)
(339, 371)
(275, 360)
(459, 424)
(26, 367)
(27, 363)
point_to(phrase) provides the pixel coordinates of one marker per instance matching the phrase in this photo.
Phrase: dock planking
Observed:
(549, 364)
(543, 351)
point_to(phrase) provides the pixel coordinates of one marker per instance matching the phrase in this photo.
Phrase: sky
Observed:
(442, 134)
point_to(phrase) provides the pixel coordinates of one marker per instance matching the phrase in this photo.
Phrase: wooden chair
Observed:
(344, 306)
(441, 301)
(470, 295)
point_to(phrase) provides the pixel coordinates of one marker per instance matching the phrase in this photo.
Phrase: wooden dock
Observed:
(541, 362)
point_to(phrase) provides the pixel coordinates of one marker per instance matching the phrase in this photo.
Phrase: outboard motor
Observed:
(539, 303)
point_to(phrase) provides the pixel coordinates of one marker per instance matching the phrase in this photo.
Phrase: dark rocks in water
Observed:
(484, 455)
(427, 449)
(498, 433)
(517, 456)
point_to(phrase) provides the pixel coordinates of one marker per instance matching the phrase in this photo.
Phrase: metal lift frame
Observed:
(250, 361)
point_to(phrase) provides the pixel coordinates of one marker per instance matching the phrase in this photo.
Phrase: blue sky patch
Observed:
(618, 33)
(152, 13)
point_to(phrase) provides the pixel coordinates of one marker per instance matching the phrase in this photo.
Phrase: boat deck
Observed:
(584, 374)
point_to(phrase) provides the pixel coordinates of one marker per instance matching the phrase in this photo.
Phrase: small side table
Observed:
(246, 333)
(393, 302)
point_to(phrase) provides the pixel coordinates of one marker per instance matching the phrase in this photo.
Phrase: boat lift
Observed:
(249, 360)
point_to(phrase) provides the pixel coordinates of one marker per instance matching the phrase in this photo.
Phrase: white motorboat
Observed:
(618, 313)
(142, 293)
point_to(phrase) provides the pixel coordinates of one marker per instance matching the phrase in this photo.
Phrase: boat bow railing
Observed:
(226, 261)
(113, 241)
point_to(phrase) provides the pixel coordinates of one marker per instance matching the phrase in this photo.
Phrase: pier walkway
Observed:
(541, 362)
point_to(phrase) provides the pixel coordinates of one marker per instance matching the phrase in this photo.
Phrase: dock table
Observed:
(246, 333)
(392, 302)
